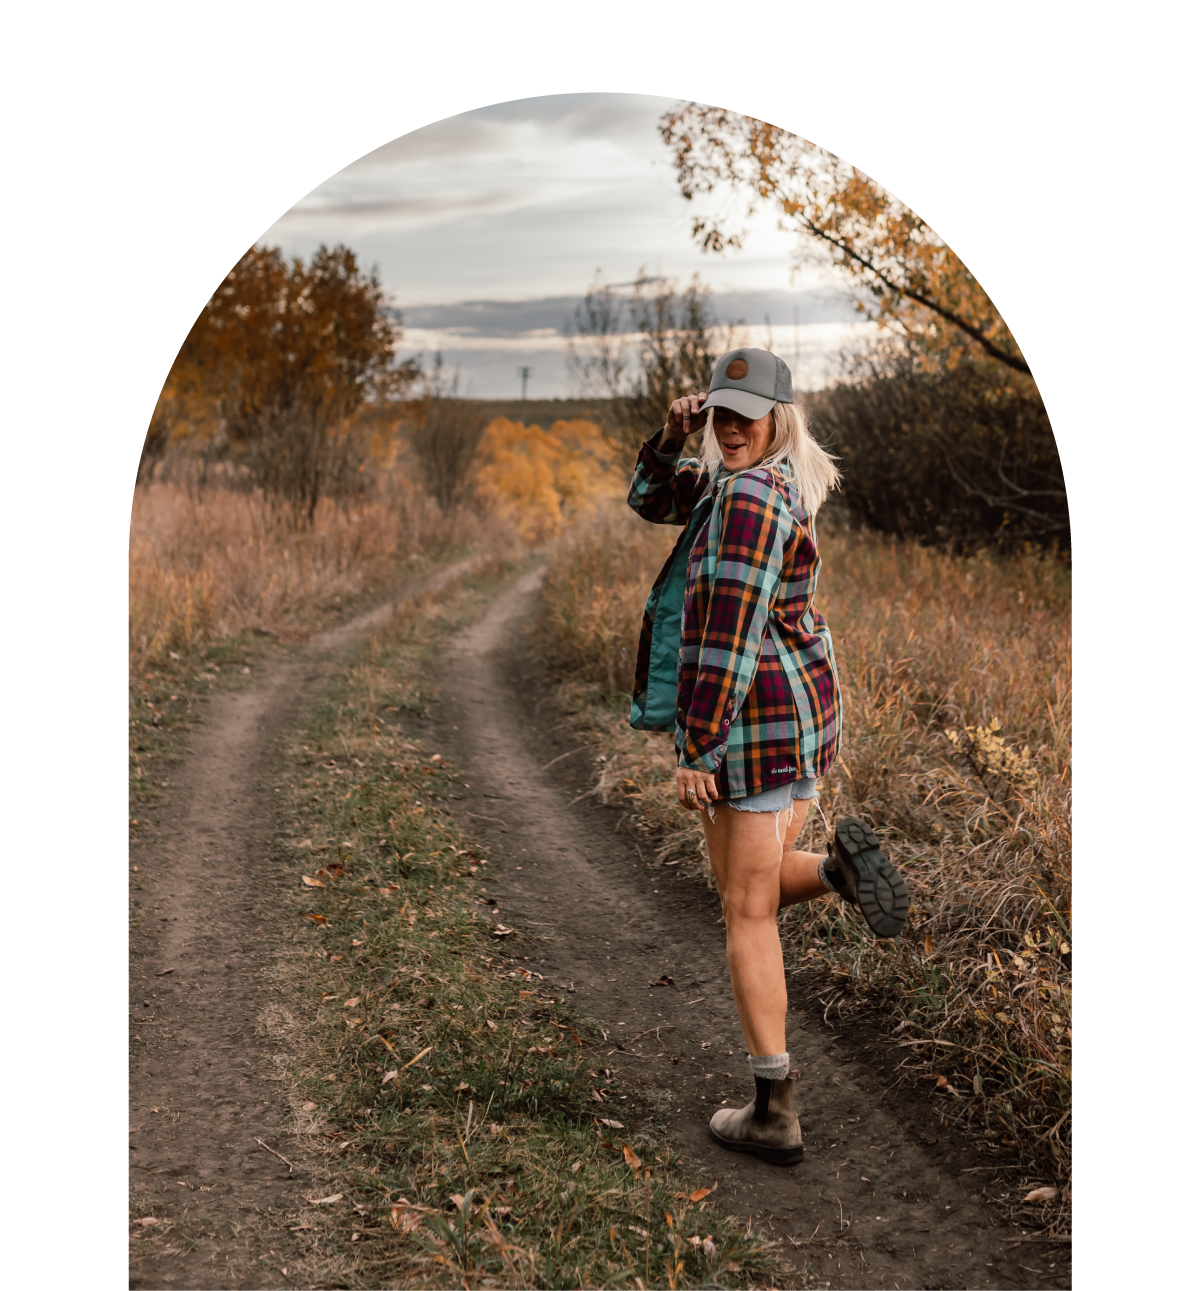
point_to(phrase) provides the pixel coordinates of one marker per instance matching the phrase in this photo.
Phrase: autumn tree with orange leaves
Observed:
(276, 365)
(941, 431)
(914, 277)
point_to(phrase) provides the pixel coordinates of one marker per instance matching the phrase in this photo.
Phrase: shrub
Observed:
(963, 458)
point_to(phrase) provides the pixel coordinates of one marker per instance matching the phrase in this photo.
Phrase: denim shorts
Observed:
(776, 799)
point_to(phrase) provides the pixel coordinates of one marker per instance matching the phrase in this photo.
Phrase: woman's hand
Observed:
(684, 417)
(695, 789)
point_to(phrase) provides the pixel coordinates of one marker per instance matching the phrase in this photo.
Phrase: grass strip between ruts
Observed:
(470, 1130)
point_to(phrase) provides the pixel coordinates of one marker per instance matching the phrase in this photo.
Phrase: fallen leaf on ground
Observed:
(664, 980)
(317, 918)
(309, 1106)
(699, 1194)
(631, 1157)
(1040, 1195)
(576, 1167)
(710, 1247)
(491, 1026)
(312, 883)
(461, 1089)
(148, 1222)
(405, 1217)
(390, 1075)
(928, 944)
(323, 1201)
(501, 931)
(351, 1002)
(596, 1096)
(334, 959)
(612, 1125)
(357, 943)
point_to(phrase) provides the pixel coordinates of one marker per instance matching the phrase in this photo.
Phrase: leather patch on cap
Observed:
(737, 369)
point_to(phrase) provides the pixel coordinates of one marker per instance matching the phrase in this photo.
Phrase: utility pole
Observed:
(523, 373)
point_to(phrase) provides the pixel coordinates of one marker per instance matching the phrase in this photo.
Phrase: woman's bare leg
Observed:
(798, 881)
(745, 850)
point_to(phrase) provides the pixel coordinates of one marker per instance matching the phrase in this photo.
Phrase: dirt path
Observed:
(203, 1087)
(885, 1197)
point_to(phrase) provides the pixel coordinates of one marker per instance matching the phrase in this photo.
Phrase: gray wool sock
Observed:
(825, 877)
(772, 1066)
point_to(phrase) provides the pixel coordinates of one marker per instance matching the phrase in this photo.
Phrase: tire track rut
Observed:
(203, 1086)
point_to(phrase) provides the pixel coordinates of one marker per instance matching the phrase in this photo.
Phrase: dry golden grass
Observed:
(956, 684)
(214, 563)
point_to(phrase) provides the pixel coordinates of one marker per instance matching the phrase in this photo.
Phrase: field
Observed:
(207, 564)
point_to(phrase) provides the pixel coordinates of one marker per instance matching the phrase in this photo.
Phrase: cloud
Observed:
(516, 318)
(524, 198)
(582, 116)
(317, 207)
(441, 141)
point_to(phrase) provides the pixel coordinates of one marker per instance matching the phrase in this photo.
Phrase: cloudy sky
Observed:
(487, 227)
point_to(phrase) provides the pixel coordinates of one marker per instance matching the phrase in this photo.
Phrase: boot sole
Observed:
(772, 1156)
(875, 884)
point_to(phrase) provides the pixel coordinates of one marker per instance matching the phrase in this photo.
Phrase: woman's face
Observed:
(743, 442)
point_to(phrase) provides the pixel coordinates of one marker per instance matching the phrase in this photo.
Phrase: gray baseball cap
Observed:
(751, 382)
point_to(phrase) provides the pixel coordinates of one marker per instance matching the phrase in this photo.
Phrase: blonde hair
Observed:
(792, 444)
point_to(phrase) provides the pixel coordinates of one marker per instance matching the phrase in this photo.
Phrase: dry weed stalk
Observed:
(956, 682)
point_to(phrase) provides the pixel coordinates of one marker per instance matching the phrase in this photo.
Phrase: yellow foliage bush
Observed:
(537, 478)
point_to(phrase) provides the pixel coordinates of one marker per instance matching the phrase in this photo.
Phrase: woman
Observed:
(736, 661)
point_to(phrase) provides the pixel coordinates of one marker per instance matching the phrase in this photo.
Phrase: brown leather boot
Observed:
(768, 1127)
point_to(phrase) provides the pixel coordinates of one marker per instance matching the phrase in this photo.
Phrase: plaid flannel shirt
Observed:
(757, 701)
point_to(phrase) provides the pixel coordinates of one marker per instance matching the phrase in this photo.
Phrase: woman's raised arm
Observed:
(665, 488)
